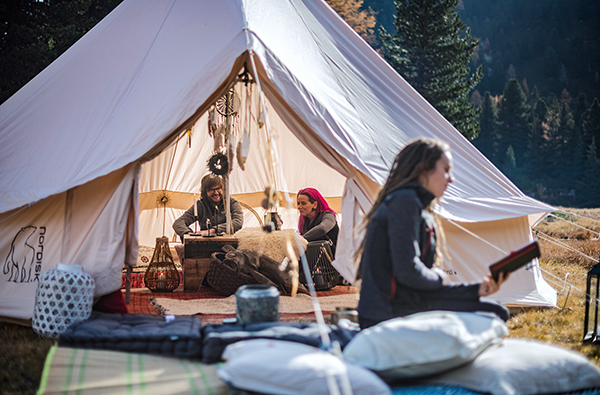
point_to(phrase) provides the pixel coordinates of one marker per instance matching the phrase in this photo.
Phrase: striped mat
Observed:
(79, 371)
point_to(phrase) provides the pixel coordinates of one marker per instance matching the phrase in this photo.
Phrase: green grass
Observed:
(22, 358)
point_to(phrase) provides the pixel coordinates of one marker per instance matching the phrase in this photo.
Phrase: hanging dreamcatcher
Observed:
(228, 105)
(226, 109)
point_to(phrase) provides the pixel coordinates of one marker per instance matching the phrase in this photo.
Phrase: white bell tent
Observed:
(90, 144)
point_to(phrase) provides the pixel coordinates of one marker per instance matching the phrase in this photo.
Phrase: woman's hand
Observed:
(489, 286)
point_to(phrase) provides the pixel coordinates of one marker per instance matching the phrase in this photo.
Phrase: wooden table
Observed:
(196, 253)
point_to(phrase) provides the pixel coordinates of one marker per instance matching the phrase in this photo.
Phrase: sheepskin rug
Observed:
(272, 244)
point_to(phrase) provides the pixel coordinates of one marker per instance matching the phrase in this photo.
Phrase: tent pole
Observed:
(228, 99)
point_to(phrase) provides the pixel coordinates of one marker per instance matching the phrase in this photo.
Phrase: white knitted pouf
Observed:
(64, 295)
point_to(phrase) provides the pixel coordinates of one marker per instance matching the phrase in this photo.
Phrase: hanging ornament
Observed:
(242, 149)
(219, 138)
(218, 165)
(229, 106)
(212, 120)
(163, 200)
(261, 119)
(230, 149)
(269, 201)
(243, 146)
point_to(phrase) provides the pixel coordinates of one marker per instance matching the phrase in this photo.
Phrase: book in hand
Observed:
(515, 259)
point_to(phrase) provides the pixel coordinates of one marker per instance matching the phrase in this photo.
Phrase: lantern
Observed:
(63, 296)
(590, 326)
(162, 274)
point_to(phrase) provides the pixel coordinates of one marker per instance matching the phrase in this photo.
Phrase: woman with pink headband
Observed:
(317, 220)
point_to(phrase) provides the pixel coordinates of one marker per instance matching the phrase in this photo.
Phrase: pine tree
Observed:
(536, 150)
(513, 114)
(33, 33)
(553, 145)
(579, 106)
(590, 123)
(571, 157)
(510, 162)
(431, 50)
(535, 96)
(487, 140)
(589, 194)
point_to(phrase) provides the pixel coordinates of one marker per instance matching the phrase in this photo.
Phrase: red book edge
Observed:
(516, 259)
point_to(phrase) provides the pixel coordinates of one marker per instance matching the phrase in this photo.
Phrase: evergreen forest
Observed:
(536, 102)
(539, 114)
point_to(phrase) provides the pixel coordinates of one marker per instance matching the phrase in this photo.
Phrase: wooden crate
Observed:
(197, 252)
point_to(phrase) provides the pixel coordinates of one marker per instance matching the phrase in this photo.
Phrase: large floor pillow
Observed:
(287, 368)
(423, 344)
(520, 366)
(139, 333)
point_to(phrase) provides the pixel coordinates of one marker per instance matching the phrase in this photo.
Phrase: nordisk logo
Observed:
(23, 263)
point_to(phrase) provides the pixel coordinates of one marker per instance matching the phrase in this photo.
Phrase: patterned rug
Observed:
(299, 304)
(140, 303)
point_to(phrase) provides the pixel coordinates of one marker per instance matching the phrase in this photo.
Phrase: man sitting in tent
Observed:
(209, 211)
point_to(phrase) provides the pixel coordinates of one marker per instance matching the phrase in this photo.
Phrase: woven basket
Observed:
(323, 274)
(224, 275)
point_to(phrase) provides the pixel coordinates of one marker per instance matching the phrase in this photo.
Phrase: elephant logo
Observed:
(19, 262)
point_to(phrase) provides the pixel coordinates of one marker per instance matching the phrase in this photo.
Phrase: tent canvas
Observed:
(73, 140)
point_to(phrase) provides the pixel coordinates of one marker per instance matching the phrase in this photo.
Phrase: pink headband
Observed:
(314, 195)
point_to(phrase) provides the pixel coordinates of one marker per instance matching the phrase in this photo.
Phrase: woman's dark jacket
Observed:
(397, 261)
(208, 211)
(323, 227)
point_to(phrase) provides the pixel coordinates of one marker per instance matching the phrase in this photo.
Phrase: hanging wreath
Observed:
(218, 164)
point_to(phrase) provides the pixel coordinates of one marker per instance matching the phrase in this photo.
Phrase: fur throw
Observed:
(272, 244)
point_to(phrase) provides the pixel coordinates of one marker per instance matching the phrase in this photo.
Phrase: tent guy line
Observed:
(574, 224)
(577, 215)
(477, 236)
(555, 241)
(554, 280)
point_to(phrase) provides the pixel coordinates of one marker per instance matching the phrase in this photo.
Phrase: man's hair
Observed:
(209, 181)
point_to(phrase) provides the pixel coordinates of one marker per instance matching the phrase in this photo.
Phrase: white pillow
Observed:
(423, 344)
(519, 366)
(288, 368)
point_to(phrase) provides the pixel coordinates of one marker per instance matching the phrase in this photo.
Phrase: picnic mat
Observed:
(79, 371)
(299, 304)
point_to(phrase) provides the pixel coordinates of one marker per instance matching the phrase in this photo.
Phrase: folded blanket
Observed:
(139, 333)
(217, 337)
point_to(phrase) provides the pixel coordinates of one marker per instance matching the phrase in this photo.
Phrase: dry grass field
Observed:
(560, 237)
(568, 252)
